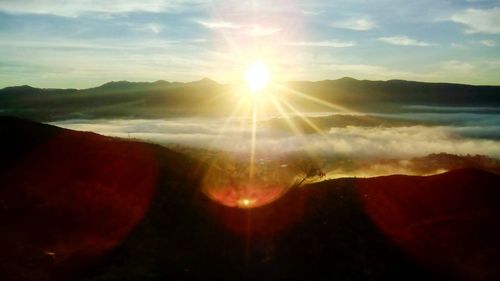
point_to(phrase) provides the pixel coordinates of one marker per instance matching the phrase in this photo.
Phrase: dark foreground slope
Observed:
(79, 206)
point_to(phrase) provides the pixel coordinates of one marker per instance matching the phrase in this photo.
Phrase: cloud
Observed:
(151, 27)
(325, 43)
(254, 30)
(359, 24)
(479, 21)
(219, 24)
(404, 41)
(86, 63)
(349, 142)
(312, 12)
(488, 43)
(370, 151)
(75, 8)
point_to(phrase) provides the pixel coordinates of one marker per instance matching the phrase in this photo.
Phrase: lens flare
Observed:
(245, 202)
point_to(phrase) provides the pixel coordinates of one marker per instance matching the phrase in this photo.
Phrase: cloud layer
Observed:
(473, 137)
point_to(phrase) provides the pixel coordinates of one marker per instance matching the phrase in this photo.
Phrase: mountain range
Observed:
(208, 98)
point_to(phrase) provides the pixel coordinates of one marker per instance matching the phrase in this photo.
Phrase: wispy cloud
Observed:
(151, 27)
(325, 43)
(404, 41)
(359, 24)
(311, 12)
(254, 30)
(75, 8)
(488, 43)
(219, 24)
(479, 21)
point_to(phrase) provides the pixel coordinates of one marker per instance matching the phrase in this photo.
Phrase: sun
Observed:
(257, 76)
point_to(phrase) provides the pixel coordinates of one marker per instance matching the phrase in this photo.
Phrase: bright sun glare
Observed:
(257, 76)
(245, 203)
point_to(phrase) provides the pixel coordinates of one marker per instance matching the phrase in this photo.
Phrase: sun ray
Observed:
(319, 101)
(292, 126)
(311, 124)
(253, 141)
(325, 103)
(302, 116)
(311, 153)
(220, 133)
(284, 115)
(225, 125)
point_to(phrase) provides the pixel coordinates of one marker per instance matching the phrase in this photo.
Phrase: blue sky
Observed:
(84, 43)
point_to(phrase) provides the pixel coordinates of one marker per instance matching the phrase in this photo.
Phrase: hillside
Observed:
(349, 91)
(162, 99)
(80, 206)
(113, 99)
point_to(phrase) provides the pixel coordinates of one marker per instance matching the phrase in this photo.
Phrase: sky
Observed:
(85, 43)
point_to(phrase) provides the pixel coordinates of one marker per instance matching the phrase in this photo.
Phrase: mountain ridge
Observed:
(205, 79)
(206, 97)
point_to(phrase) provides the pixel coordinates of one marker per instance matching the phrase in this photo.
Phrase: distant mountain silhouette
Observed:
(207, 97)
(27, 90)
(126, 86)
(349, 91)
(80, 206)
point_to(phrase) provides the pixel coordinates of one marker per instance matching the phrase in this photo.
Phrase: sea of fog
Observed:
(467, 131)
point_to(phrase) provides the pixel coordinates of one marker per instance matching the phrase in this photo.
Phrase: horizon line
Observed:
(206, 79)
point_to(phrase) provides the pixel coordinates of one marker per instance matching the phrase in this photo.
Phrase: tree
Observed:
(308, 170)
